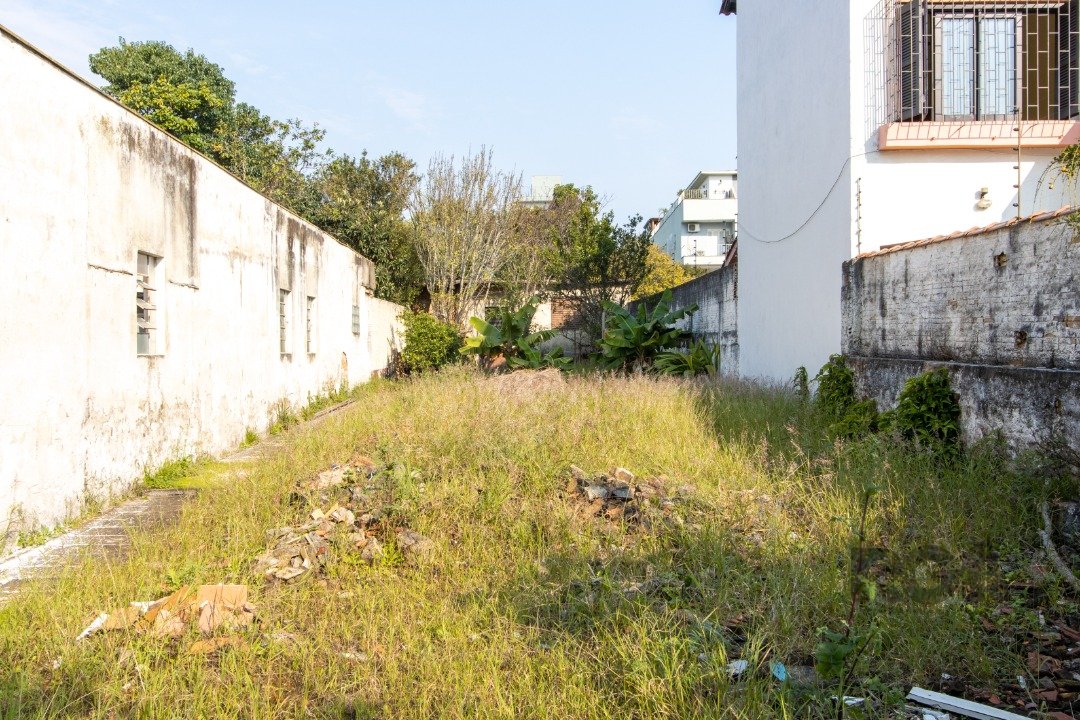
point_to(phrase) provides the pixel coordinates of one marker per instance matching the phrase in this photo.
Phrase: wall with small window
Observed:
(161, 308)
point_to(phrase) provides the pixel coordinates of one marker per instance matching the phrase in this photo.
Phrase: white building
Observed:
(154, 306)
(700, 225)
(542, 191)
(864, 123)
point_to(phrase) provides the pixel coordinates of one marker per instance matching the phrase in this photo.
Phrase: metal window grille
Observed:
(972, 60)
(145, 307)
(356, 320)
(283, 321)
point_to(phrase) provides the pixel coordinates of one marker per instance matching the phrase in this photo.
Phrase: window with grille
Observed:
(283, 321)
(990, 60)
(147, 314)
(356, 320)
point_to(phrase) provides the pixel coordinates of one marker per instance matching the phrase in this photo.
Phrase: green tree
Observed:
(184, 93)
(276, 157)
(661, 273)
(592, 261)
(175, 108)
(362, 202)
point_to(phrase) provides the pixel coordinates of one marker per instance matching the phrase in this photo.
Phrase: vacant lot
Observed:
(536, 602)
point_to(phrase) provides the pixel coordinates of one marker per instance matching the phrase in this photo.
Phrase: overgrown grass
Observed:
(525, 609)
(185, 473)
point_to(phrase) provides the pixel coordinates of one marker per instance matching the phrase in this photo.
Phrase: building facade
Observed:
(865, 123)
(155, 306)
(700, 225)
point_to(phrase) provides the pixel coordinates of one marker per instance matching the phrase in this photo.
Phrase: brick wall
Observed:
(1000, 307)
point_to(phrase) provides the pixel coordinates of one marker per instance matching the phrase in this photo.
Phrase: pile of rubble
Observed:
(209, 607)
(617, 495)
(352, 518)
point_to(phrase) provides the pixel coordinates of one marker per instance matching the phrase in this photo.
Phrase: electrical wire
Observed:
(832, 188)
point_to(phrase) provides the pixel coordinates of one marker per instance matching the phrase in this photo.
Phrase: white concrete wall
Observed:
(817, 189)
(793, 61)
(86, 185)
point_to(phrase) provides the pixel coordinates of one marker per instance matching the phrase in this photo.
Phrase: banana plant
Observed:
(533, 359)
(507, 337)
(699, 358)
(633, 340)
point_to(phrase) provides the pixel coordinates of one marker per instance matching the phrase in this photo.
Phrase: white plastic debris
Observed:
(93, 627)
(736, 668)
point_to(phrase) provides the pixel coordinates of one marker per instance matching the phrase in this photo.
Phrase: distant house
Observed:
(699, 227)
(864, 123)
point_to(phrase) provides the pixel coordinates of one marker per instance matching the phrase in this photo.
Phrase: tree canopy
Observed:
(661, 273)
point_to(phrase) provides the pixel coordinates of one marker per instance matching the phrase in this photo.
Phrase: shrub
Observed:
(700, 358)
(927, 411)
(835, 400)
(633, 340)
(429, 343)
(835, 388)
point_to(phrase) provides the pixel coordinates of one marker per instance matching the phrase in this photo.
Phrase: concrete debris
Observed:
(413, 543)
(352, 519)
(361, 467)
(618, 495)
(209, 607)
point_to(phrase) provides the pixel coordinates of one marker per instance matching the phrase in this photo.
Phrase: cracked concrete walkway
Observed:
(109, 535)
(104, 536)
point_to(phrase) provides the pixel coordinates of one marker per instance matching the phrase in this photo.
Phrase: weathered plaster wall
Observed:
(716, 320)
(85, 186)
(1000, 308)
(1005, 297)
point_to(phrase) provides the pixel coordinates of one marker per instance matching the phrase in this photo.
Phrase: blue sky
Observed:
(632, 97)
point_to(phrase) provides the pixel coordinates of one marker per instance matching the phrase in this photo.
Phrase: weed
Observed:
(928, 412)
(39, 535)
(170, 475)
(250, 438)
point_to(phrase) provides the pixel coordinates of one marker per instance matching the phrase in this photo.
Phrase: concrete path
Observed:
(109, 534)
(105, 536)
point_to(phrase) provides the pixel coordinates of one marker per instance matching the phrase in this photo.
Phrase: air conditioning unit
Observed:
(692, 227)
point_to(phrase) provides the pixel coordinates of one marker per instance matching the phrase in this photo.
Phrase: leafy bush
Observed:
(429, 343)
(860, 418)
(699, 358)
(509, 337)
(835, 400)
(835, 388)
(927, 411)
(634, 340)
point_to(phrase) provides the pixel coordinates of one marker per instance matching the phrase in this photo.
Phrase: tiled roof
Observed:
(1037, 217)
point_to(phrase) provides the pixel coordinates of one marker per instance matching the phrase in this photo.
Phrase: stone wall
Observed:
(1000, 307)
(87, 187)
(717, 296)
